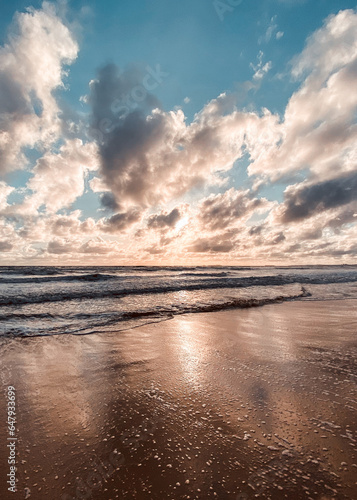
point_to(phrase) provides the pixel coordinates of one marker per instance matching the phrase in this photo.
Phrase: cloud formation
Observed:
(58, 178)
(303, 201)
(319, 132)
(164, 220)
(229, 208)
(31, 69)
(149, 156)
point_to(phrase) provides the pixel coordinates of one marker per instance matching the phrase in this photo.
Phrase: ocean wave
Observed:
(56, 278)
(96, 277)
(33, 270)
(122, 288)
(101, 322)
(207, 275)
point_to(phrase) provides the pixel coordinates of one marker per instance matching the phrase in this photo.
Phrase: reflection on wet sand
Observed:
(257, 403)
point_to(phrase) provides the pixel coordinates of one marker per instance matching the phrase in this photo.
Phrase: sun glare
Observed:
(181, 223)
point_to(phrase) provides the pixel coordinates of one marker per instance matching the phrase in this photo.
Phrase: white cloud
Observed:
(58, 178)
(261, 68)
(31, 68)
(5, 191)
(270, 31)
(319, 130)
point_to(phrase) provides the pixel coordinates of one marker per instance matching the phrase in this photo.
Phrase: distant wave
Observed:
(56, 278)
(34, 270)
(46, 275)
(120, 288)
(207, 275)
(67, 270)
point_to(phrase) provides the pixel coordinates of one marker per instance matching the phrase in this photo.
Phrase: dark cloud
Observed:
(302, 202)
(115, 94)
(122, 221)
(255, 230)
(293, 248)
(164, 219)
(124, 165)
(109, 202)
(120, 105)
(278, 238)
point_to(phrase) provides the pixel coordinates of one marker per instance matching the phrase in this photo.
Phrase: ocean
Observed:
(40, 301)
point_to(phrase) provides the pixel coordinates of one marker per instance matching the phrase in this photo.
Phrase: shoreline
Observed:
(274, 301)
(241, 403)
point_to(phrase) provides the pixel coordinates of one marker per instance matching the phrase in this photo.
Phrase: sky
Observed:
(157, 132)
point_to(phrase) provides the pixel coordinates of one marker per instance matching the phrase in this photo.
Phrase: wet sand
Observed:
(239, 404)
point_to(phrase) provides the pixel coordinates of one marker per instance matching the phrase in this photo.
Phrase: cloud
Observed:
(32, 68)
(271, 29)
(114, 94)
(319, 131)
(149, 157)
(60, 246)
(164, 220)
(109, 202)
(302, 201)
(97, 246)
(5, 191)
(58, 178)
(326, 49)
(221, 243)
(69, 225)
(261, 69)
(6, 246)
(120, 221)
(227, 209)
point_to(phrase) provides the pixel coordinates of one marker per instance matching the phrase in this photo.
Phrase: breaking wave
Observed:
(80, 300)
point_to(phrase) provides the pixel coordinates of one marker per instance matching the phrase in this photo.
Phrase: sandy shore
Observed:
(256, 403)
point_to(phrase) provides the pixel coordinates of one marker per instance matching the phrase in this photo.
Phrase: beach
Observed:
(235, 404)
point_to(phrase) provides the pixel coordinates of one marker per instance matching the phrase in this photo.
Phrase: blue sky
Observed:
(203, 55)
(248, 50)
